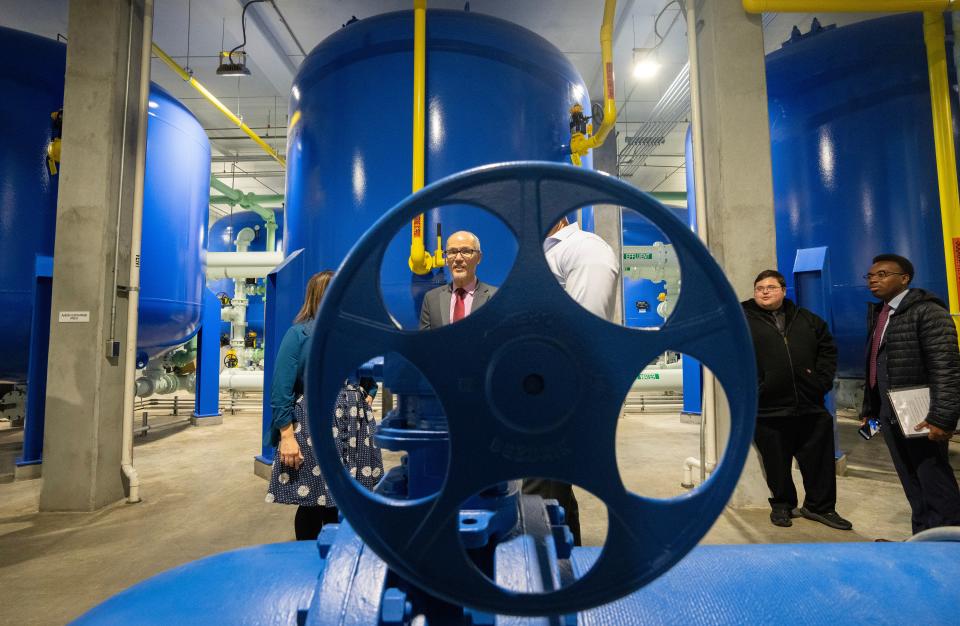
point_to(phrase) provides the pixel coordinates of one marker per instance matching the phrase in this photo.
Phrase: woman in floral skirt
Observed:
(296, 476)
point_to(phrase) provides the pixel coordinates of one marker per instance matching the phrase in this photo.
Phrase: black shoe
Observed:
(830, 518)
(781, 517)
(795, 513)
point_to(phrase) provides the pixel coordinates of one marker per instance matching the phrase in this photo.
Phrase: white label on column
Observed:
(74, 316)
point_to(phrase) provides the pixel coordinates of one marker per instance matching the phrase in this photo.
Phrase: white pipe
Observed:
(241, 380)
(656, 379)
(708, 452)
(133, 301)
(241, 264)
(216, 273)
(244, 259)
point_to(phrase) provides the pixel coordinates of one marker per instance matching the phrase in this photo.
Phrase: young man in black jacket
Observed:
(796, 362)
(911, 342)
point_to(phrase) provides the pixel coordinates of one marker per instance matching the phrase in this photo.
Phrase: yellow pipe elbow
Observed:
(579, 143)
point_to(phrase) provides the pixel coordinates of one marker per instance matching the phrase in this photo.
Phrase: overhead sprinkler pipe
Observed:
(846, 6)
(182, 73)
(580, 144)
(421, 262)
(934, 37)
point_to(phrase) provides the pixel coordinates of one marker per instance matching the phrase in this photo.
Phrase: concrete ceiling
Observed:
(195, 31)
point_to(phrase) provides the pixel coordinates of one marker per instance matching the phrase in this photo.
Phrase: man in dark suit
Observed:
(455, 300)
(912, 342)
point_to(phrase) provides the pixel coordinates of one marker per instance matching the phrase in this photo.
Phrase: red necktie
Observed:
(459, 311)
(875, 342)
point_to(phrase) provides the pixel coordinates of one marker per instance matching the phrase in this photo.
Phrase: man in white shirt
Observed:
(587, 269)
(585, 266)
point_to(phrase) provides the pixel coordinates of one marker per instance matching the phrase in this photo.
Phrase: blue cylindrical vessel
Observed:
(495, 92)
(31, 81)
(176, 192)
(221, 240)
(853, 161)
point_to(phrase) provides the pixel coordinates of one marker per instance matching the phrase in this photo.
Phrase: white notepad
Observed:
(911, 406)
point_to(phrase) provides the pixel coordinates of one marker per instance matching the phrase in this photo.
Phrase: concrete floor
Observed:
(200, 497)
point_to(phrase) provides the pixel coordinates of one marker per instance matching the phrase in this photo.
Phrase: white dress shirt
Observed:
(586, 267)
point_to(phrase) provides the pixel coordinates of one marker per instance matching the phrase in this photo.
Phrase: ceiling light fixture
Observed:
(645, 64)
(234, 62)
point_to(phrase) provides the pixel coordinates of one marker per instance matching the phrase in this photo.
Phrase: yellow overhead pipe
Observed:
(846, 6)
(934, 36)
(421, 261)
(580, 144)
(182, 73)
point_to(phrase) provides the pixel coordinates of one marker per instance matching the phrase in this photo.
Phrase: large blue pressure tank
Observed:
(495, 92)
(176, 192)
(176, 197)
(223, 232)
(853, 161)
(31, 81)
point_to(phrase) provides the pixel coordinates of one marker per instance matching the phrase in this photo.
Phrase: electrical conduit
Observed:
(708, 413)
(133, 293)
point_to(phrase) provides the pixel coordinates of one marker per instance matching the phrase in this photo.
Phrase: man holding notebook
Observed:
(912, 343)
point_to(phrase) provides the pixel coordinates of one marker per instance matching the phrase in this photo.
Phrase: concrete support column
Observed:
(607, 220)
(103, 113)
(739, 186)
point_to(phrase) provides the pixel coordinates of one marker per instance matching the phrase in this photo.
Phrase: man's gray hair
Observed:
(476, 240)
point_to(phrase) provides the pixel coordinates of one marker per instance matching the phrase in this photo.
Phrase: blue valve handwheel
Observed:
(498, 431)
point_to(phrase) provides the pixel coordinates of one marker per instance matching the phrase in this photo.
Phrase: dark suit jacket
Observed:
(435, 310)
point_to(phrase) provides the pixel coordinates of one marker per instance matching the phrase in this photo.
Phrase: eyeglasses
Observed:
(767, 289)
(466, 253)
(882, 274)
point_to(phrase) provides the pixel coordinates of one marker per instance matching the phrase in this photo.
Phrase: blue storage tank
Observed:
(221, 240)
(176, 193)
(176, 198)
(495, 92)
(853, 161)
(31, 81)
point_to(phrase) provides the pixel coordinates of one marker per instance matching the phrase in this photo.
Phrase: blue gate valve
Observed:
(502, 430)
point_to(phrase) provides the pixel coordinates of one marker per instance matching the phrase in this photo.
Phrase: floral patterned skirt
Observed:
(354, 426)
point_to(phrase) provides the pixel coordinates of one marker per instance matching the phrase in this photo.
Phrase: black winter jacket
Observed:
(795, 369)
(921, 350)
